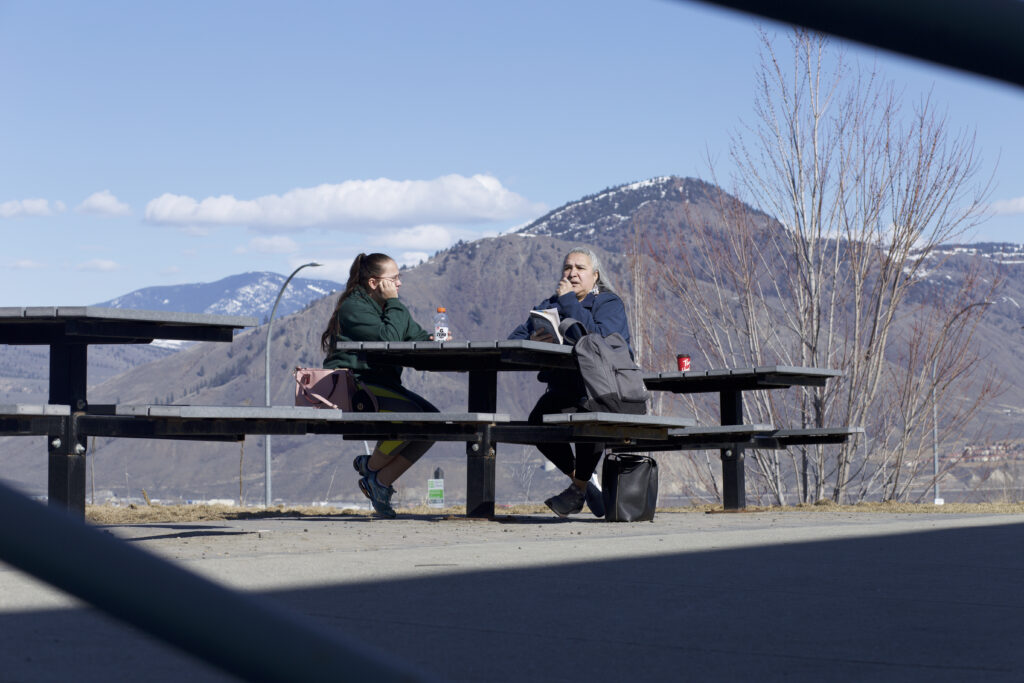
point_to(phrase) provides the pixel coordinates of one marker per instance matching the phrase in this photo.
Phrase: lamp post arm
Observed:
(266, 381)
(270, 325)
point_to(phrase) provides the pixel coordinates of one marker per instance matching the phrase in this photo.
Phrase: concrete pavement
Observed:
(833, 595)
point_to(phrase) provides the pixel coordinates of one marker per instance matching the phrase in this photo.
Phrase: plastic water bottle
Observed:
(441, 329)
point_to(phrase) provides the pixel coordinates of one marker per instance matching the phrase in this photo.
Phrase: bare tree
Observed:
(853, 197)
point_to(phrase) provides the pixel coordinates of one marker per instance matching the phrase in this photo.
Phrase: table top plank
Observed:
(464, 356)
(14, 314)
(739, 379)
(523, 354)
(98, 325)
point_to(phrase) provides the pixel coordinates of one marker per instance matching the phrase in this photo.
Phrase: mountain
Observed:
(609, 218)
(246, 294)
(487, 285)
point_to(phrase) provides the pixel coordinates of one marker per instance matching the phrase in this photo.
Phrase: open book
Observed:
(547, 321)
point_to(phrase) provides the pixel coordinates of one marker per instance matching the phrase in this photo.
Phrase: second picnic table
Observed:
(69, 331)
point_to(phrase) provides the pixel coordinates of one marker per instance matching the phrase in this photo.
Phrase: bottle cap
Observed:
(441, 309)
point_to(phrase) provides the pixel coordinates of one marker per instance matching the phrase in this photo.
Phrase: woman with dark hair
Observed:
(369, 310)
(584, 294)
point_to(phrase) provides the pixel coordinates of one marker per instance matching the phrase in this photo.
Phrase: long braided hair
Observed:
(363, 268)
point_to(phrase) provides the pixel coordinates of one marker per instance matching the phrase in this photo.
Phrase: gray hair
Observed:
(603, 284)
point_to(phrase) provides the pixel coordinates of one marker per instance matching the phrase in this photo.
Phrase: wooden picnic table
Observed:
(68, 331)
(70, 418)
(483, 360)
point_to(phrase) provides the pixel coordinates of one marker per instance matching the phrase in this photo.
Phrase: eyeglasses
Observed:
(395, 278)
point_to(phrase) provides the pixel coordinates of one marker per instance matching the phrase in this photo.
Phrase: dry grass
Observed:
(889, 507)
(150, 514)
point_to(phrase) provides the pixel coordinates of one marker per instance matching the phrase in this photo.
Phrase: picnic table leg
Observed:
(66, 478)
(733, 479)
(480, 455)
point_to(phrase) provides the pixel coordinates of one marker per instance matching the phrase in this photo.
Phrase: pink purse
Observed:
(324, 388)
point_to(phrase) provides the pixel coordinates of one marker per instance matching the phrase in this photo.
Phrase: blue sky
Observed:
(166, 142)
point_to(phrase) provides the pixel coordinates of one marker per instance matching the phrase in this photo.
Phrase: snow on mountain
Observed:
(605, 211)
(245, 294)
(1005, 253)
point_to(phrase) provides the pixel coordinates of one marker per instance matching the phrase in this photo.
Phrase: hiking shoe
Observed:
(362, 465)
(568, 502)
(595, 499)
(379, 495)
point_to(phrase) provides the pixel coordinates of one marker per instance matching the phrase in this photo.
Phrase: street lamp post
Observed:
(935, 410)
(266, 377)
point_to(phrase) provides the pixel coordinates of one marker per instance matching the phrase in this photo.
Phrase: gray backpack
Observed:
(614, 382)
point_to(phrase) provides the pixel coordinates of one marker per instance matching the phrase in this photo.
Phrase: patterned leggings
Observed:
(398, 399)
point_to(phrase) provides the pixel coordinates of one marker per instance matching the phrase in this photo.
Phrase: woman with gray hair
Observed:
(584, 294)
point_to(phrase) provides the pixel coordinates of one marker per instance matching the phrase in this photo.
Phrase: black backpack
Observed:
(614, 382)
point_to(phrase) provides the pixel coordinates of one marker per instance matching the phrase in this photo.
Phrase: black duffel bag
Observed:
(629, 483)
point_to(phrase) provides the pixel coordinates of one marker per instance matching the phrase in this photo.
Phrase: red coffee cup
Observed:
(683, 362)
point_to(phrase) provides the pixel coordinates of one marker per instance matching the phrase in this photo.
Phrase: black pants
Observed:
(583, 464)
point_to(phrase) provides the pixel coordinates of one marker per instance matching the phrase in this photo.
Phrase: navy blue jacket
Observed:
(603, 313)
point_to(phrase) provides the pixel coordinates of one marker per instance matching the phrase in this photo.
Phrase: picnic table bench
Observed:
(236, 422)
(22, 419)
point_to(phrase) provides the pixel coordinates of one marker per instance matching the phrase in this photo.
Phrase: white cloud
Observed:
(98, 265)
(431, 237)
(29, 207)
(412, 258)
(26, 264)
(353, 204)
(1009, 206)
(330, 269)
(277, 244)
(103, 203)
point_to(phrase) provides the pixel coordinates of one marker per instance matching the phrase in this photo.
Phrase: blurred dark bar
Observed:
(984, 37)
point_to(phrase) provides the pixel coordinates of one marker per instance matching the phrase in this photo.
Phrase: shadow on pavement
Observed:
(937, 605)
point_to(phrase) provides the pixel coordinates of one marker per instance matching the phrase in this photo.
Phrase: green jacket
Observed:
(363, 319)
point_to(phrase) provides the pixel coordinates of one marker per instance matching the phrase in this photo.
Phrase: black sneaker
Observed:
(379, 495)
(362, 465)
(568, 502)
(595, 499)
